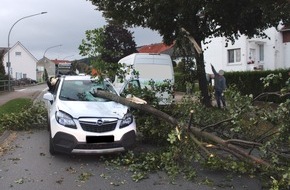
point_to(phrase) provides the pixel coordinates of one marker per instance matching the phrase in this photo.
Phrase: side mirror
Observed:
(49, 97)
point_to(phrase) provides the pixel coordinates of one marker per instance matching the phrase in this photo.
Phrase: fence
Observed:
(4, 85)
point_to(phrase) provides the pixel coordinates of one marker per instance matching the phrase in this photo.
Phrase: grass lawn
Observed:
(15, 105)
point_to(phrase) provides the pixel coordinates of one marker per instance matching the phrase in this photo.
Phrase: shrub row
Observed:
(248, 82)
(31, 117)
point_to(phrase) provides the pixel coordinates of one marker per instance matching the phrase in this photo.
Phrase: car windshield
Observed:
(83, 90)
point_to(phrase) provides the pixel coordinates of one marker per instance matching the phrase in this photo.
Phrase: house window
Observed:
(252, 56)
(40, 68)
(234, 55)
(261, 52)
(18, 53)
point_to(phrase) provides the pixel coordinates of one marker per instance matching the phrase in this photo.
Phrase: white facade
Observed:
(248, 54)
(23, 63)
(45, 64)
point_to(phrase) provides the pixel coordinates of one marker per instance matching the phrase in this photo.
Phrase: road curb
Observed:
(4, 136)
(37, 96)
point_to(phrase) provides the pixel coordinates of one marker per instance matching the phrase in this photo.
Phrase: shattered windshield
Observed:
(83, 90)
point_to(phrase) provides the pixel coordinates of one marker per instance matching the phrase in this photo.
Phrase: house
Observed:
(246, 54)
(157, 48)
(63, 67)
(52, 67)
(45, 64)
(23, 63)
(161, 48)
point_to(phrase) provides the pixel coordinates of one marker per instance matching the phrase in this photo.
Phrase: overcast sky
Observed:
(64, 24)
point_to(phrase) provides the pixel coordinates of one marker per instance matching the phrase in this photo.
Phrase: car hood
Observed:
(93, 109)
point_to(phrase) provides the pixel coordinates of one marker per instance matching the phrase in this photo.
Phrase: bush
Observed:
(28, 116)
(250, 82)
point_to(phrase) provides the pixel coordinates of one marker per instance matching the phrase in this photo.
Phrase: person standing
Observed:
(219, 86)
(188, 88)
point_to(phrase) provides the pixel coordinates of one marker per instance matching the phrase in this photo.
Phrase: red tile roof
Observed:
(155, 48)
(56, 61)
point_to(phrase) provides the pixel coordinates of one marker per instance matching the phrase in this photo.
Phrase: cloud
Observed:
(65, 23)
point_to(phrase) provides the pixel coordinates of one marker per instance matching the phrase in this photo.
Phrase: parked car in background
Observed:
(151, 67)
(80, 122)
(23, 81)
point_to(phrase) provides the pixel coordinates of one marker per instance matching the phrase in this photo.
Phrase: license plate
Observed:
(100, 139)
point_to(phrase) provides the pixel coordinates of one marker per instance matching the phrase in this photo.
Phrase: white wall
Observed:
(286, 56)
(272, 50)
(276, 53)
(213, 53)
(23, 64)
(216, 53)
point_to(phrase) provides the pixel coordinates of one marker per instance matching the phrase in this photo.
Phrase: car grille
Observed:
(99, 146)
(104, 126)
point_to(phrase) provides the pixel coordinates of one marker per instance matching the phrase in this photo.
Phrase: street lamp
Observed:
(8, 62)
(51, 48)
(67, 57)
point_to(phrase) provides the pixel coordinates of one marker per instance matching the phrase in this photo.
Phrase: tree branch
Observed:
(243, 142)
(191, 38)
(196, 131)
(270, 93)
(143, 107)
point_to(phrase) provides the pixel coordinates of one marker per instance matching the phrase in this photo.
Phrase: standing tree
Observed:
(106, 46)
(45, 75)
(198, 20)
(80, 65)
(118, 43)
(2, 68)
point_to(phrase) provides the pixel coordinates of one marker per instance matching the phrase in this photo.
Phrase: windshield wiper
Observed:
(67, 98)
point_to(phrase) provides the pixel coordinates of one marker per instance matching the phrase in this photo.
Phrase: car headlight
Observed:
(126, 120)
(65, 119)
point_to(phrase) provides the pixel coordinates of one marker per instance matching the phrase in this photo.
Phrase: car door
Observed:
(128, 85)
(49, 98)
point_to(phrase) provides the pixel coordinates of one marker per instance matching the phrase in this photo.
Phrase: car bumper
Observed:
(67, 143)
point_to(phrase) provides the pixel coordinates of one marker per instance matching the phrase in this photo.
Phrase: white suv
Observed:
(79, 122)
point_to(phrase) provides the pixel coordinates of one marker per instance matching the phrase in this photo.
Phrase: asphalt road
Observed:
(27, 165)
(33, 92)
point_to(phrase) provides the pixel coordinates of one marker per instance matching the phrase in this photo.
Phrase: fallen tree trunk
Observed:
(197, 132)
(213, 138)
(143, 107)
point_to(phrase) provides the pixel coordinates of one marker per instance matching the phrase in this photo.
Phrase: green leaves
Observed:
(106, 46)
(271, 79)
(31, 116)
(85, 176)
(92, 46)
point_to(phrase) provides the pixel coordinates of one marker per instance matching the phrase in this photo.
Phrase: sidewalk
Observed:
(21, 92)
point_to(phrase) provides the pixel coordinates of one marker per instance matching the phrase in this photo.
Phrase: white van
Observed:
(156, 67)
